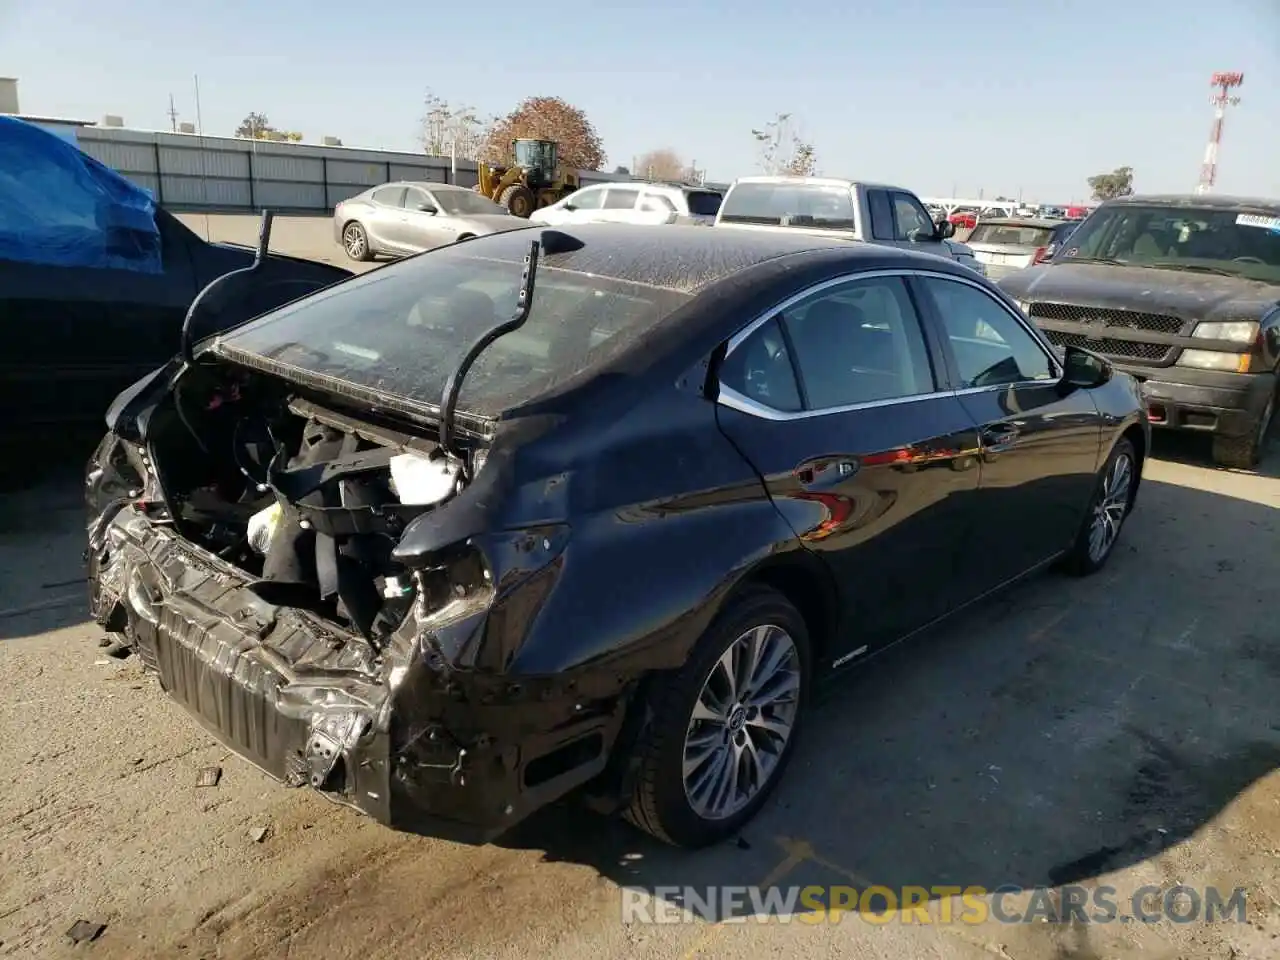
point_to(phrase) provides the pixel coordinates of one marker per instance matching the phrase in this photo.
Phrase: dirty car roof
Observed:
(685, 259)
(1213, 201)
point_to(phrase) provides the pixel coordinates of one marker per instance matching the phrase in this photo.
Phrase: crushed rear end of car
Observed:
(382, 681)
(352, 588)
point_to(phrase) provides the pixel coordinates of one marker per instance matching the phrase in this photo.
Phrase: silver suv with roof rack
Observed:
(867, 212)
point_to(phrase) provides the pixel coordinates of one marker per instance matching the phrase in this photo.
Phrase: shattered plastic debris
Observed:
(209, 777)
(85, 931)
(258, 834)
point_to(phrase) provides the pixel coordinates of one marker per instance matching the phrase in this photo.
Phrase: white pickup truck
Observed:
(867, 212)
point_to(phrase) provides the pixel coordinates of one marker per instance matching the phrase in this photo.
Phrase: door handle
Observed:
(828, 473)
(999, 434)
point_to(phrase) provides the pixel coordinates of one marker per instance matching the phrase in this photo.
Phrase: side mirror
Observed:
(569, 205)
(946, 229)
(426, 208)
(1084, 369)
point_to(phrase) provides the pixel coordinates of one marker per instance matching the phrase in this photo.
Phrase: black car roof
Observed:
(1211, 200)
(686, 259)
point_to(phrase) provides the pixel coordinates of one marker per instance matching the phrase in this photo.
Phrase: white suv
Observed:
(641, 203)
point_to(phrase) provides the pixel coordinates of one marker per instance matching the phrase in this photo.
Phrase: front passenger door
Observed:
(913, 228)
(1040, 444)
(832, 397)
(586, 206)
(424, 230)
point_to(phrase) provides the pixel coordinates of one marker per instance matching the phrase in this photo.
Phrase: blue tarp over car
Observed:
(60, 207)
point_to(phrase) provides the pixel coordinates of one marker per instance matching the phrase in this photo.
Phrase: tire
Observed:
(518, 199)
(660, 803)
(356, 242)
(1245, 453)
(1108, 500)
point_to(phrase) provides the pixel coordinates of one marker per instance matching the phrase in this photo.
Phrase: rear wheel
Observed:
(518, 199)
(356, 242)
(1112, 500)
(1245, 453)
(723, 728)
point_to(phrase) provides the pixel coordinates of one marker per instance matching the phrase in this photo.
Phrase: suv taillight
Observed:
(1041, 255)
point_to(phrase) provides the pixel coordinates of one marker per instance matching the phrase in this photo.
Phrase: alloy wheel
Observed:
(742, 721)
(354, 239)
(1111, 506)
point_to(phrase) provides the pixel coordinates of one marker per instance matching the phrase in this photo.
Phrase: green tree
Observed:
(255, 126)
(1117, 183)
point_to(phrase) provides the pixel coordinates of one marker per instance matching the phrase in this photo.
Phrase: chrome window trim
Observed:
(736, 401)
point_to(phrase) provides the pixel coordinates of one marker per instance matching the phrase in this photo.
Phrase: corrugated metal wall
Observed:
(190, 172)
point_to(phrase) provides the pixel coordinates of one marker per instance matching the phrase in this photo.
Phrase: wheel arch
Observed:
(1137, 437)
(808, 585)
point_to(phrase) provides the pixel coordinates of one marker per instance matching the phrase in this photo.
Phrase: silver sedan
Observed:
(398, 219)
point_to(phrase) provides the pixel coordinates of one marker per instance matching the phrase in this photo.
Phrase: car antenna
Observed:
(185, 346)
(524, 300)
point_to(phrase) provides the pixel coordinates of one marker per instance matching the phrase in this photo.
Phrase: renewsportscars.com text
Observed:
(934, 905)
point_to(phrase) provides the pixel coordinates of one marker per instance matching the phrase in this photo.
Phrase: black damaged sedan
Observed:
(590, 509)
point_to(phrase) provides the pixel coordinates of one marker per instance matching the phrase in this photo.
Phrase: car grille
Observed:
(1116, 319)
(1108, 346)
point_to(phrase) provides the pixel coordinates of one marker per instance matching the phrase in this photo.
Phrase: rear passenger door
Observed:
(833, 397)
(386, 226)
(1040, 444)
(655, 209)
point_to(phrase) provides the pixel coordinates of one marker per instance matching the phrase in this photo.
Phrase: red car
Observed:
(963, 221)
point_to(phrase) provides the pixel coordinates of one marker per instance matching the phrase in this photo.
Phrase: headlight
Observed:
(1215, 360)
(1024, 306)
(1238, 331)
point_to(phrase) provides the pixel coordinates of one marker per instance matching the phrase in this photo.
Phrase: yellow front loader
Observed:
(533, 180)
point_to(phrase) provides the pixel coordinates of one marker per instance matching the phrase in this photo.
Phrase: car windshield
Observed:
(806, 205)
(466, 203)
(703, 203)
(399, 331)
(1010, 235)
(1230, 240)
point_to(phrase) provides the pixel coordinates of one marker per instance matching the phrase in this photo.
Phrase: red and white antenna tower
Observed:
(1222, 97)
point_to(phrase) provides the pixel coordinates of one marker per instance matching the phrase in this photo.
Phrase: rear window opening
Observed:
(401, 330)
(1011, 235)
(808, 205)
(703, 203)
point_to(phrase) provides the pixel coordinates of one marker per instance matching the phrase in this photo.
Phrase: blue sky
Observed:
(937, 95)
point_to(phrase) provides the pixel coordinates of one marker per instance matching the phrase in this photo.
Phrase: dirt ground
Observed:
(1121, 730)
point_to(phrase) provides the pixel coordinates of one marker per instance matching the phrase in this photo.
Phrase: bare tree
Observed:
(782, 149)
(661, 164)
(447, 127)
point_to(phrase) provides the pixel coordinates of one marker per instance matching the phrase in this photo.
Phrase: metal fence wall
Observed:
(197, 173)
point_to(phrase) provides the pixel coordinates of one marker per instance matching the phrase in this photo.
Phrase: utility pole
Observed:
(1222, 97)
(173, 114)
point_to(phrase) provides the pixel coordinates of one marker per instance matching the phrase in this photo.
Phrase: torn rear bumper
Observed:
(411, 742)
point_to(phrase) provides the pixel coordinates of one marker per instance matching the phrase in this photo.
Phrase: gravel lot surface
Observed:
(1120, 730)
